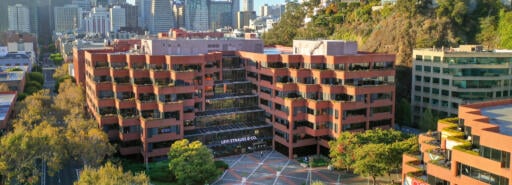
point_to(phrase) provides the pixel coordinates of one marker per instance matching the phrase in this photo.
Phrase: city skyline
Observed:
(257, 4)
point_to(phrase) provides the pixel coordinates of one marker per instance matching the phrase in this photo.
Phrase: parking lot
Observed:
(273, 168)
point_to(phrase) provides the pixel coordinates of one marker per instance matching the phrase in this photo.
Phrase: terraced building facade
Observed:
(236, 97)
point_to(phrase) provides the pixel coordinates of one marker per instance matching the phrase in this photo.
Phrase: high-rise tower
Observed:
(196, 14)
(162, 18)
(247, 5)
(19, 18)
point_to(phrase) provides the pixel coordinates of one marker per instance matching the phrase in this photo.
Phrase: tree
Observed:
(35, 109)
(355, 151)
(285, 30)
(369, 160)
(192, 163)
(36, 76)
(341, 152)
(505, 30)
(427, 121)
(23, 150)
(488, 35)
(403, 113)
(4, 87)
(395, 151)
(110, 175)
(86, 142)
(70, 101)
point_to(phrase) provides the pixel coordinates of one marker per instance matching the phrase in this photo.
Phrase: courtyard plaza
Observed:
(273, 168)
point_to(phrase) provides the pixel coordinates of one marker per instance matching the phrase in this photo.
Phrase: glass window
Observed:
(444, 103)
(417, 88)
(437, 59)
(427, 68)
(435, 80)
(418, 67)
(437, 69)
(418, 78)
(446, 82)
(445, 92)
(426, 79)
(435, 91)
(426, 89)
(426, 100)
(435, 102)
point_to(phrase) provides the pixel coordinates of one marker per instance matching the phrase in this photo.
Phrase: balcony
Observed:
(129, 136)
(158, 122)
(438, 157)
(131, 120)
(129, 150)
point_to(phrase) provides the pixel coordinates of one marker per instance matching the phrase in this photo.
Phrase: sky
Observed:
(257, 3)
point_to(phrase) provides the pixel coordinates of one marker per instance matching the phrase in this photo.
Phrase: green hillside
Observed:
(398, 28)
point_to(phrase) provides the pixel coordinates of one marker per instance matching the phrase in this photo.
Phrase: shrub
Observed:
(221, 164)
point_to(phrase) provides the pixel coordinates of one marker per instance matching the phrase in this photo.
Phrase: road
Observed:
(68, 174)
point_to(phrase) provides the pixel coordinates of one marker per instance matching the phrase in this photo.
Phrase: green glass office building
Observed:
(443, 79)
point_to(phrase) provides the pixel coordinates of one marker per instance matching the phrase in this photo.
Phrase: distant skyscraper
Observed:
(67, 18)
(235, 8)
(162, 18)
(144, 12)
(84, 4)
(247, 5)
(117, 18)
(98, 21)
(244, 18)
(220, 14)
(19, 18)
(273, 11)
(196, 14)
(179, 14)
(96, 3)
(132, 15)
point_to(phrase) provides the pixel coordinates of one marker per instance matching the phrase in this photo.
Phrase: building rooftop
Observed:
(14, 56)
(5, 103)
(500, 115)
(11, 76)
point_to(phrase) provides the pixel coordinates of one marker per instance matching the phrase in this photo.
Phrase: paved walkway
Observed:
(273, 168)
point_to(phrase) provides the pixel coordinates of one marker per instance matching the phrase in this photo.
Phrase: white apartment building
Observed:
(67, 18)
(98, 21)
(19, 18)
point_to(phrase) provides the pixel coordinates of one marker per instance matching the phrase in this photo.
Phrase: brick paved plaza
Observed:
(273, 168)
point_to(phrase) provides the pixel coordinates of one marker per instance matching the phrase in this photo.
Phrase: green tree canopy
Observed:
(21, 150)
(428, 121)
(110, 175)
(283, 32)
(357, 151)
(369, 160)
(36, 76)
(403, 113)
(192, 163)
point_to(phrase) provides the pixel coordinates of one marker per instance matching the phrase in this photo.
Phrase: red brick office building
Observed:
(471, 149)
(234, 97)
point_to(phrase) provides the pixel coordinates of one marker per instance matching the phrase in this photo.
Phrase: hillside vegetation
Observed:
(398, 28)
